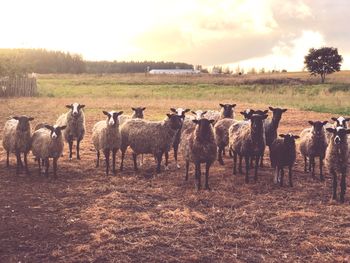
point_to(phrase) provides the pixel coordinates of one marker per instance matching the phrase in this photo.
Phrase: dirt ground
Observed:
(84, 216)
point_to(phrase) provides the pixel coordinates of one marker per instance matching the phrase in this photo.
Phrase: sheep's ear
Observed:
(173, 110)
(331, 130)
(169, 115)
(133, 108)
(271, 109)
(243, 113)
(193, 112)
(233, 105)
(195, 121)
(282, 135)
(222, 105)
(347, 119)
(105, 112)
(143, 108)
(296, 136)
(311, 123)
(212, 121)
(81, 106)
(187, 110)
(265, 111)
(63, 127)
(347, 131)
(49, 127)
(204, 112)
(69, 106)
(284, 110)
(324, 123)
(120, 113)
(264, 116)
(30, 119)
(334, 119)
(15, 117)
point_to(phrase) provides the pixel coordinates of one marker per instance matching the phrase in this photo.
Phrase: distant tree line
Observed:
(22, 61)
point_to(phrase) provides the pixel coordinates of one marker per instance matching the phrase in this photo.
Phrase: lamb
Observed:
(336, 159)
(283, 153)
(198, 146)
(106, 137)
(181, 113)
(138, 113)
(270, 127)
(17, 139)
(248, 141)
(48, 143)
(146, 137)
(313, 143)
(74, 119)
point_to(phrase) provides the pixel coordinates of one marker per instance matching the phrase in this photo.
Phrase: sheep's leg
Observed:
(275, 179)
(321, 167)
(114, 153)
(223, 151)
(78, 148)
(310, 163)
(251, 162)
(305, 164)
(7, 159)
(70, 144)
(207, 167)
(334, 175)
(257, 159)
(230, 153)
(290, 175)
(187, 168)
(54, 161)
(159, 161)
(240, 170)
(342, 186)
(312, 159)
(282, 175)
(220, 150)
(176, 149)
(247, 166)
(47, 165)
(134, 157)
(198, 176)
(106, 153)
(26, 163)
(122, 161)
(19, 162)
(234, 171)
(166, 160)
(97, 158)
(262, 160)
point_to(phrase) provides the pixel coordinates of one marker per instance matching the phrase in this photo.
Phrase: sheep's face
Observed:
(289, 139)
(175, 121)
(257, 121)
(112, 117)
(227, 110)
(277, 113)
(204, 127)
(23, 122)
(199, 114)
(341, 121)
(317, 127)
(56, 131)
(339, 135)
(75, 109)
(180, 112)
(138, 112)
(247, 114)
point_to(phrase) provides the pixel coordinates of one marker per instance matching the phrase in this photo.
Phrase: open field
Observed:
(84, 216)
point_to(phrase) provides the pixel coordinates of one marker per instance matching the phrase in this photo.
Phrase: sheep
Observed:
(270, 127)
(283, 153)
(221, 130)
(181, 113)
(198, 146)
(336, 159)
(248, 141)
(48, 143)
(74, 119)
(313, 143)
(17, 139)
(106, 137)
(138, 113)
(146, 137)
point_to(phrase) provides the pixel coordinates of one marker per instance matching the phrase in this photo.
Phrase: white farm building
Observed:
(174, 71)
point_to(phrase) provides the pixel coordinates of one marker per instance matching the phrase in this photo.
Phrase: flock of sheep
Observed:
(201, 138)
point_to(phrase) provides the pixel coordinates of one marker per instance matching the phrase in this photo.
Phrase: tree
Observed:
(323, 61)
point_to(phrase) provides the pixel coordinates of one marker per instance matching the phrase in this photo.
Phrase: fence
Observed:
(18, 87)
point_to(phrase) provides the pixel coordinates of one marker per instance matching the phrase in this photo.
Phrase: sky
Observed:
(270, 34)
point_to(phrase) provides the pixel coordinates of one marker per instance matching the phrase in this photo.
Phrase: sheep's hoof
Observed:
(78, 158)
(178, 166)
(70, 159)
(322, 178)
(207, 188)
(167, 168)
(198, 187)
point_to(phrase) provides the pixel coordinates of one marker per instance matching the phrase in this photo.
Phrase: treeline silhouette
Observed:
(22, 61)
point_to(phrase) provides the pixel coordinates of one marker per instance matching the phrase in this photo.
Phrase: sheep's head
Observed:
(339, 134)
(289, 139)
(112, 117)
(317, 127)
(341, 121)
(277, 112)
(180, 111)
(175, 121)
(247, 114)
(203, 126)
(138, 112)
(56, 131)
(257, 125)
(199, 114)
(227, 110)
(75, 109)
(23, 122)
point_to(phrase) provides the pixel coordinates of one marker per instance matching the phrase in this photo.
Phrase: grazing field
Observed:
(85, 216)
